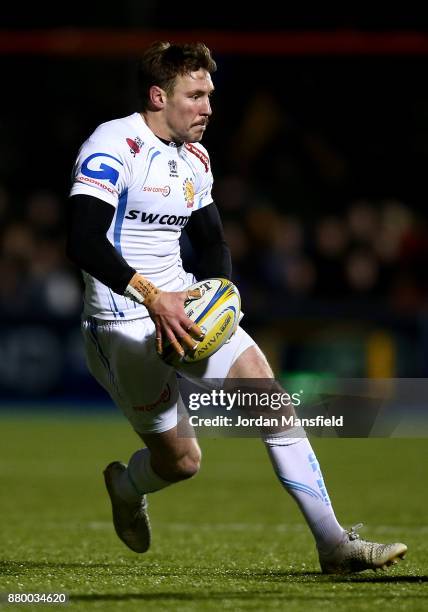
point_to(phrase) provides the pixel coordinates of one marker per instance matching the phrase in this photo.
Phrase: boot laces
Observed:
(352, 533)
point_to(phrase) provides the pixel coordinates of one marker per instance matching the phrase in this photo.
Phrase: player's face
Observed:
(188, 108)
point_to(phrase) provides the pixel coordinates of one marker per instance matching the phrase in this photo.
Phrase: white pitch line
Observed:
(189, 526)
(282, 528)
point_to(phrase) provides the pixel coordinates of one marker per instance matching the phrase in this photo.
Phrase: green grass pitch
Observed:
(230, 539)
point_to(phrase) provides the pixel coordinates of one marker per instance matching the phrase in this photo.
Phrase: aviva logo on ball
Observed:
(217, 313)
(213, 340)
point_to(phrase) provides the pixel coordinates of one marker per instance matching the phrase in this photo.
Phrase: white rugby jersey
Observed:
(154, 188)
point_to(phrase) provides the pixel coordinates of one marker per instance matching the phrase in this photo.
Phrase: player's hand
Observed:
(167, 311)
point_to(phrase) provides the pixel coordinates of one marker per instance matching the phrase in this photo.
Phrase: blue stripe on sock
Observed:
(299, 486)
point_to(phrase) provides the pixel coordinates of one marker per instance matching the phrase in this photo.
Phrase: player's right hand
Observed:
(166, 309)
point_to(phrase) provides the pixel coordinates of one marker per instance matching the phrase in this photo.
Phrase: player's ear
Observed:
(157, 97)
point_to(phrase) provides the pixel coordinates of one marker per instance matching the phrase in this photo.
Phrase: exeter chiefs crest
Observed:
(189, 193)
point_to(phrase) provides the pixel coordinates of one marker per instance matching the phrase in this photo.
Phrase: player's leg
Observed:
(173, 457)
(122, 358)
(298, 470)
(294, 462)
(166, 459)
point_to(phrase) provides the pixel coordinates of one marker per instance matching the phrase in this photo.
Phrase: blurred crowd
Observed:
(372, 251)
(36, 278)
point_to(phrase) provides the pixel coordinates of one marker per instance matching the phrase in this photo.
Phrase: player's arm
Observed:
(89, 219)
(88, 247)
(206, 234)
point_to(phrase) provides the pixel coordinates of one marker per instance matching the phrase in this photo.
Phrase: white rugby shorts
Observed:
(121, 356)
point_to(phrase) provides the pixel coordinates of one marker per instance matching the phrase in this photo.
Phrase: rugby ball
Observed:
(217, 312)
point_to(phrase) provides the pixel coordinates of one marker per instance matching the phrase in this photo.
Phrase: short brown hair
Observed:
(162, 62)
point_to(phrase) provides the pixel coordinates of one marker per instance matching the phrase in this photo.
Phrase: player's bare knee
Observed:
(188, 465)
(252, 363)
(185, 467)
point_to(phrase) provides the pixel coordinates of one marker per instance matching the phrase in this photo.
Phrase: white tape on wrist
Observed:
(133, 294)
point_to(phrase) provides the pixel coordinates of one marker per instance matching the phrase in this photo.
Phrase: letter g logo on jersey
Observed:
(100, 170)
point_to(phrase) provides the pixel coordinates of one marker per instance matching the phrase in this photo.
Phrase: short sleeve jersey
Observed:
(154, 188)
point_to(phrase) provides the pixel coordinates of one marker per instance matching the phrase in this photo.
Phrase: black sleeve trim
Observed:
(88, 221)
(206, 234)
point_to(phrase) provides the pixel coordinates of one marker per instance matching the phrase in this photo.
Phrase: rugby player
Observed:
(138, 182)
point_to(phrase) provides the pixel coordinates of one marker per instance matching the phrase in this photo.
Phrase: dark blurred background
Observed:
(319, 147)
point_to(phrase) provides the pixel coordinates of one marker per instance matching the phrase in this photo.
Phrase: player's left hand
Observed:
(166, 308)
